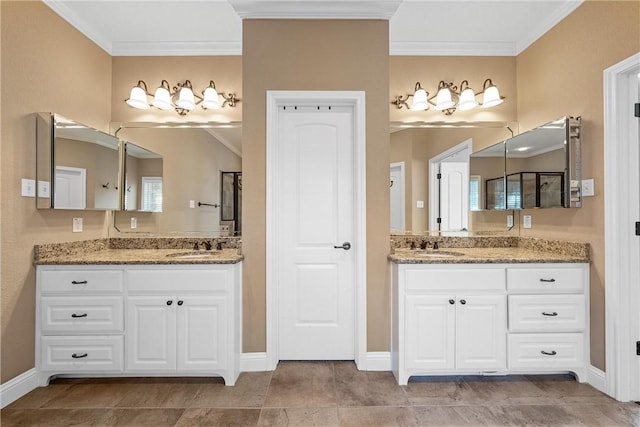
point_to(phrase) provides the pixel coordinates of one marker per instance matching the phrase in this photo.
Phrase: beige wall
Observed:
(561, 74)
(316, 55)
(192, 160)
(47, 65)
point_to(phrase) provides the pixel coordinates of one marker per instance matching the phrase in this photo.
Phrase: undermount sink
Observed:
(191, 255)
(435, 253)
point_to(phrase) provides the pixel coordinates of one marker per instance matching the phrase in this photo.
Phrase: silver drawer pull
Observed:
(544, 313)
(75, 316)
(79, 356)
(79, 282)
(549, 353)
(548, 280)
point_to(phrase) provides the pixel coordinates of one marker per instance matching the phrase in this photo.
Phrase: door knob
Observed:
(346, 246)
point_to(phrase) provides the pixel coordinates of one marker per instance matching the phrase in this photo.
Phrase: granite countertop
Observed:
(136, 251)
(481, 256)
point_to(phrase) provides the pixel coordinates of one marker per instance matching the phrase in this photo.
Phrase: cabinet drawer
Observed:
(81, 314)
(178, 280)
(81, 354)
(546, 313)
(81, 281)
(455, 279)
(545, 351)
(547, 280)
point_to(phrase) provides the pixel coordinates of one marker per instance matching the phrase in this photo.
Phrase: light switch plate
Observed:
(44, 189)
(526, 221)
(420, 204)
(509, 220)
(77, 225)
(588, 187)
(28, 188)
(134, 222)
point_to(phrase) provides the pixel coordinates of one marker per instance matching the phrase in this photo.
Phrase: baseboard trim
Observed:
(253, 362)
(597, 378)
(378, 361)
(257, 362)
(17, 387)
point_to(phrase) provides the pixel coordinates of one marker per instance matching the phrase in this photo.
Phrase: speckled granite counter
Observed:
(138, 251)
(486, 250)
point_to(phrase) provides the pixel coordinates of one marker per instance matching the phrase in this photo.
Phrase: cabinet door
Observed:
(202, 333)
(481, 332)
(430, 332)
(151, 333)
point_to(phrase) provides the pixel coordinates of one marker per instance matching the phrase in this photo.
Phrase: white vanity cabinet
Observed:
(165, 320)
(451, 319)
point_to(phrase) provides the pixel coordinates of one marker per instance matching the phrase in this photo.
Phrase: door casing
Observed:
(275, 101)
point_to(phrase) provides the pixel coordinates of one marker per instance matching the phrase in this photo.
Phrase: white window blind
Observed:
(151, 197)
(475, 192)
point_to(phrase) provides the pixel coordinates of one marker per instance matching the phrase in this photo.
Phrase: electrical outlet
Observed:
(44, 189)
(77, 225)
(420, 204)
(134, 222)
(224, 227)
(526, 221)
(588, 187)
(509, 220)
(28, 188)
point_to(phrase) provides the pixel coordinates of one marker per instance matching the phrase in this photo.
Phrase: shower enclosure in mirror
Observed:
(76, 165)
(193, 157)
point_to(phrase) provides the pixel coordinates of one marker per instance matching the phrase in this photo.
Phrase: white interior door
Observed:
(396, 196)
(316, 280)
(70, 188)
(454, 196)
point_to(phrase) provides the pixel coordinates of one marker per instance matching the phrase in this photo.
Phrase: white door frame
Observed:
(621, 211)
(400, 166)
(356, 100)
(434, 189)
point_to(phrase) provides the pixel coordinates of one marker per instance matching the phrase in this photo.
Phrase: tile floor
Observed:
(320, 394)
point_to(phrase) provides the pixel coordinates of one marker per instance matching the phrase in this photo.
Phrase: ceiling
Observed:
(214, 27)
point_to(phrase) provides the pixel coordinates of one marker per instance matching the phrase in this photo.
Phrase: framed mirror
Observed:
(420, 152)
(193, 157)
(542, 164)
(76, 165)
(142, 179)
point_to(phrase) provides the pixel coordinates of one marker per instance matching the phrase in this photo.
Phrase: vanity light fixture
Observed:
(449, 98)
(180, 98)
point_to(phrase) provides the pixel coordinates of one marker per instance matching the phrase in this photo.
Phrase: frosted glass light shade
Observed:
(443, 100)
(186, 100)
(162, 99)
(491, 97)
(467, 100)
(211, 99)
(420, 100)
(138, 98)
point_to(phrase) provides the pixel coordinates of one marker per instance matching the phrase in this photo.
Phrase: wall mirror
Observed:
(453, 203)
(76, 165)
(541, 165)
(141, 180)
(193, 157)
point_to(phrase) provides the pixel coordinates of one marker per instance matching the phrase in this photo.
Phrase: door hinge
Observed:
(638, 228)
(637, 109)
(439, 176)
(439, 220)
(637, 348)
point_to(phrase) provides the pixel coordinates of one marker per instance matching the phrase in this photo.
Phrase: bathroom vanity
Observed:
(139, 312)
(489, 311)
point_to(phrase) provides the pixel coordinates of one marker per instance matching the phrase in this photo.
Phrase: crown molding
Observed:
(452, 48)
(176, 48)
(315, 9)
(59, 7)
(567, 7)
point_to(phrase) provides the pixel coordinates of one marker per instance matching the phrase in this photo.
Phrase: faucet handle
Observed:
(436, 245)
(207, 245)
(195, 246)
